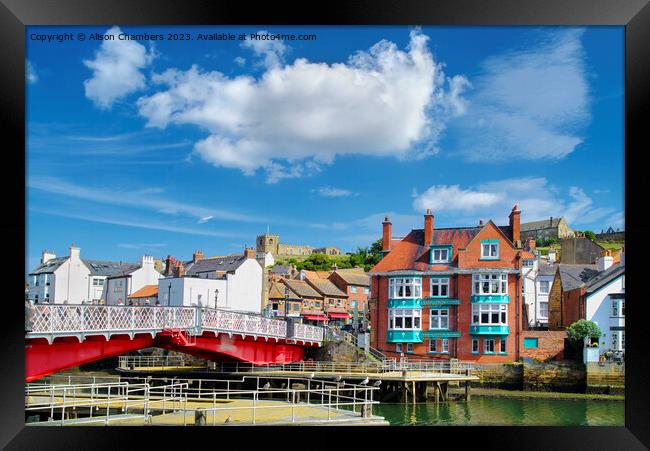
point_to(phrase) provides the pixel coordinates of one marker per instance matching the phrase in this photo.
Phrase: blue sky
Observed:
(164, 147)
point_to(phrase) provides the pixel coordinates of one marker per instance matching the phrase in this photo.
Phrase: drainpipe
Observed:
(518, 324)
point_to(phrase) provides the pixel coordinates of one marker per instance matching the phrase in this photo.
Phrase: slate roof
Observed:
(605, 277)
(97, 267)
(226, 264)
(326, 287)
(354, 277)
(302, 288)
(546, 269)
(281, 269)
(576, 276)
(49, 266)
(542, 224)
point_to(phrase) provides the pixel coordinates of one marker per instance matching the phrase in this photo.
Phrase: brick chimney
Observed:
(386, 236)
(179, 270)
(514, 225)
(249, 252)
(197, 256)
(169, 266)
(428, 228)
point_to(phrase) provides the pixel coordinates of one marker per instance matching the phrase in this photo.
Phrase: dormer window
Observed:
(440, 254)
(489, 249)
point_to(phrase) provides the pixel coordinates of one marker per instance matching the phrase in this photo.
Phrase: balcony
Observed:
(489, 330)
(404, 336)
(483, 298)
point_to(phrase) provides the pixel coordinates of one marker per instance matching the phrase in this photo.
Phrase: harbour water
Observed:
(485, 411)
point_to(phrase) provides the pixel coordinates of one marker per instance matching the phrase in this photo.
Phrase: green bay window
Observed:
(405, 318)
(490, 284)
(405, 288)
(490, 314)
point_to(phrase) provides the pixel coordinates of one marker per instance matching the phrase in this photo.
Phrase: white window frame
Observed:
(492, 248)
(502, 345)
(543, 312)
(615, 341)
(475, 349)
(409, 347)
(478, 310)
(398, 287)
(544, 283)
(490, 284)
(366, 290)
(615, 308)
(440, 283)
(486, 342)
(353, 289)
(436, 317)
(398, 347)
(444, 345)
(397, 318)
(440, 252)
(433, 345)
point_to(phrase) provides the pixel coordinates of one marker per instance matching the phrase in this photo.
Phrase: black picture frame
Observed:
(16, 14)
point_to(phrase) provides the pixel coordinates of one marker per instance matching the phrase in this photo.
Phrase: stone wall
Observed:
(550, 345)
(499, 375)
(605, 378)
(554, 376)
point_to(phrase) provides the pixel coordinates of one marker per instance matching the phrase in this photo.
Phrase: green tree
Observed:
(590, 235)
(581, 329)
(551, 241)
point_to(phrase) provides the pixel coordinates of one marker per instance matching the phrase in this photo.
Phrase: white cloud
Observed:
(271, 51)
(30, 72)
(204, 219)
(528, 104)
(442, 197)
(116, 70)
(295, 118)
(240, 61)
(330, 191)
(494, 200)
(135, 199)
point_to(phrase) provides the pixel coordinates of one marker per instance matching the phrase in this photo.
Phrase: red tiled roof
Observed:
(146, 292)
(410, 252)
(525, 255)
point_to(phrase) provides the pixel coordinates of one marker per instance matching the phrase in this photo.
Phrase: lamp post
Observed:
(216, 298)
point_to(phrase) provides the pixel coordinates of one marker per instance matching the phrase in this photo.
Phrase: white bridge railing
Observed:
(45, 320)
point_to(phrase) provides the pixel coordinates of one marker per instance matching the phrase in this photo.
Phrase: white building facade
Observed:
(121, 285)
(605, 304)
(69, 279)
(233, 283)
(537, 279)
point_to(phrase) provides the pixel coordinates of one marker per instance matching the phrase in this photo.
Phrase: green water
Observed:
(486, 411)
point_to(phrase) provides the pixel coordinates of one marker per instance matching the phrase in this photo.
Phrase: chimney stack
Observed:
(74, 252)
(605, 262)
(169, 266)
(386, 236)
(179, 271)
(249, 252)
(197, 256)
(480, 222)
(514, 225)
(428, 228)
(46, 256)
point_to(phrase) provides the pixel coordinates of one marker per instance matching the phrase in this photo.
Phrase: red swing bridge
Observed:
(64, 336)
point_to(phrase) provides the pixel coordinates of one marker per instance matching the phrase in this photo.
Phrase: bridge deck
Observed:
(410, 376)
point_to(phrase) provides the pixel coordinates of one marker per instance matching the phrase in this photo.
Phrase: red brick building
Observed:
(449, 292)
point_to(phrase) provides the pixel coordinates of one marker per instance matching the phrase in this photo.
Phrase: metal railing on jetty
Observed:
(197, 401)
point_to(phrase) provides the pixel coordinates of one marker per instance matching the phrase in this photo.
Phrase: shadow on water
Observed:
(504, 411)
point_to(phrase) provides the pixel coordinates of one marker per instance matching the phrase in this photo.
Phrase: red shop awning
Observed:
(339, 315)
(315, 317)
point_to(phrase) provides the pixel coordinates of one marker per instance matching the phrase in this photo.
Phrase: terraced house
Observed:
(449, 292)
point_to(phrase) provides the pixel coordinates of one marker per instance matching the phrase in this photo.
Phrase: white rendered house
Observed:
(537, 279)
(70, 279)
(605, 303)
(238, 280)
(121, 285)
